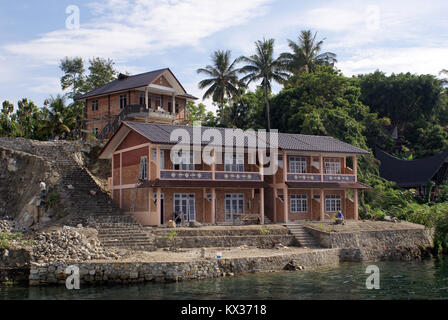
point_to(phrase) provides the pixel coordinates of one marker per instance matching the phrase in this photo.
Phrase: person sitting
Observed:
(340, 218)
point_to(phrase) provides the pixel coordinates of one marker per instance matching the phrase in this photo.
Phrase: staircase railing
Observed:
(111, 127)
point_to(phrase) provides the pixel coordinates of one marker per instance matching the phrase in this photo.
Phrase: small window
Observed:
(123, 101)
(159, 102)
(94, 105)
(234, 162)
(143, 168)
(299, 203)
(142, 99)
(162, 158)
(332, 165)
(297, 164)
(333, 203)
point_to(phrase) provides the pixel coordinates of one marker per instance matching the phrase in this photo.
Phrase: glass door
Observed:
(234, 205)
(185, 203)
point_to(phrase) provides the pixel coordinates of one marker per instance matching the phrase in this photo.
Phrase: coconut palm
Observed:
(306, 54)
(223, 82)
(57, 118)
(262, 66)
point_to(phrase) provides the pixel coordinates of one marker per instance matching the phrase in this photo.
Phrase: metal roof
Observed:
(409, 173)
(131, 82)
(160, 133)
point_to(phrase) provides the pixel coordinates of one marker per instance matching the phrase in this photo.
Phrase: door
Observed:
(234, 204)
(185, 203)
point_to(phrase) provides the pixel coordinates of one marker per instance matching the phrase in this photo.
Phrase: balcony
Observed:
(140, 111)
(316, 177)
(209, 175)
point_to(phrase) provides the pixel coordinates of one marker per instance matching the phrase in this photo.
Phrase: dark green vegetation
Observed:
(315, 98)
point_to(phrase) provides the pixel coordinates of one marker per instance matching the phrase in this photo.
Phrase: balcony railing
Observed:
(208, 175)
(316, 177)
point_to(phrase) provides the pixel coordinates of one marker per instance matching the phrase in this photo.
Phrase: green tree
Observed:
(223, 80)
(7, 120)
(27, 118)
(101, 72)
(74, 78)
(196, 112)
(306, 56)
(58, 118)
(263, 66)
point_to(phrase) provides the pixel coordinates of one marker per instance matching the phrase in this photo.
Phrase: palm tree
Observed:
(262, 66)
(306, 54)
(223, 82)
(57, 118)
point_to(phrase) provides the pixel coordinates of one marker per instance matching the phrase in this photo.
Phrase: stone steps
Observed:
(302, 236)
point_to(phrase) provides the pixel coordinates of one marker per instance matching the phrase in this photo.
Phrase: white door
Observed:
(234, 204)
(184, 202)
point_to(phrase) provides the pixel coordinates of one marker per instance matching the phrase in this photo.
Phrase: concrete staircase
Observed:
(122, 232)
(302, 236)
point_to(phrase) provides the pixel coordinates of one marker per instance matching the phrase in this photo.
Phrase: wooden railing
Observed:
(209, 175)
(316, 177)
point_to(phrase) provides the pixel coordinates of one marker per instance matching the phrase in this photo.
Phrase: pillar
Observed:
(285, 166)
(213, 206)
(322, 205)
(146, 98)
(355, 203)
(262, 205)
(158, 162)
(286, 204)
(159, 206)
(355, 167)
(321, 161)
(121, 180)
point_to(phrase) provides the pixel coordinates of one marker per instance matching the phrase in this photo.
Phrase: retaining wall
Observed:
(110, 272)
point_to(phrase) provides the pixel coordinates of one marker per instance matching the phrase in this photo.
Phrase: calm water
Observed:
(399, 280)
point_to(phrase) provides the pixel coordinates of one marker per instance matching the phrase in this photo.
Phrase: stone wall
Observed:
(14, 265)
(110, 272)
(407, 244)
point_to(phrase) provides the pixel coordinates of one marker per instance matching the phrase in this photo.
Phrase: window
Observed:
(143, 168)
(297, 164)
(234, 205)
(299, 203)
(176, 109)
(123, 101)
(234, 162)
(184, 203)
(94, 105)
(159, 102)
(142, 99)
(95, 131)
(332, 166)
(170, 107)
(162, 158)
(280, 161)
(185, 161)
(332, 203)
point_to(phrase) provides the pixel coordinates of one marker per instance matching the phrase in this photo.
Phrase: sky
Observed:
(143, 35)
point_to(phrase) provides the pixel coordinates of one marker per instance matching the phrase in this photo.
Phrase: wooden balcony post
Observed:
(158, 162)
(147, 97)
(285, 166)
(321, 161)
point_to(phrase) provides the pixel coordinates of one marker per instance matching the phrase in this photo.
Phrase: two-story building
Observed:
(155, 96)
(316, 177)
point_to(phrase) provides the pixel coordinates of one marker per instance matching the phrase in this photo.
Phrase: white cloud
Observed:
(133, 28)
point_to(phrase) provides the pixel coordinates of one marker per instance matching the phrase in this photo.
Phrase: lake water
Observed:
(398, 280)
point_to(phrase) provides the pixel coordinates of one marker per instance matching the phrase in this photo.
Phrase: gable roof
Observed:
(131, 82)
(409, 173)
(160, 134)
